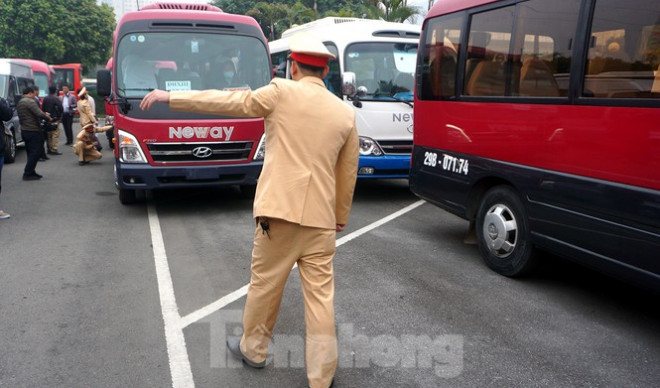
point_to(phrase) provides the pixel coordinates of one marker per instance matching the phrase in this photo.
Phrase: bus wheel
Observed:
(126, 196)
(503, 233)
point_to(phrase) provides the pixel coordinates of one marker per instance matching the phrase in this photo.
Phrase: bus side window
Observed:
(280, 70)
(535, 62)
(279, 61)
(488, 52)
(333, 79)
(440, 54)
(624, 53)
(13, 94)
(546, 32)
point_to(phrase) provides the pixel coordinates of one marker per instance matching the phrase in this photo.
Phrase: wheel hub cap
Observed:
(500, 230)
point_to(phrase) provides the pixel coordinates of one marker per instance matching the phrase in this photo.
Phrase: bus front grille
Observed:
(396, 147)
(200, 152)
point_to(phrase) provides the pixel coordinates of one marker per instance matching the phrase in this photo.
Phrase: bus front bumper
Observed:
(147, 177)
(387, 166)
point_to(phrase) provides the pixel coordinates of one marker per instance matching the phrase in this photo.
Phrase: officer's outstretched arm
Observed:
(154, 96)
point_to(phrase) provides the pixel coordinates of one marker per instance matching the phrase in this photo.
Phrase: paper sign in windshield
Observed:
(171, 86)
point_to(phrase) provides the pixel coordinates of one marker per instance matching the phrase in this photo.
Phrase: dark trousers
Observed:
(34, 145)
(44, 139)
(67, 123)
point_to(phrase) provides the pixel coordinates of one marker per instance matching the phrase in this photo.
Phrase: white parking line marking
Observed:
(232, 297)
(176, 343)
(174, 324)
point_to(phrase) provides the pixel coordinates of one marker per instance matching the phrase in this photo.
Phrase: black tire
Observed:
(248, 191)
(10, 148)
(127, 196)
(503, 233)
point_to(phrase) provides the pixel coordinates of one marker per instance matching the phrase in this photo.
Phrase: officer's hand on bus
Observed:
(155, 96)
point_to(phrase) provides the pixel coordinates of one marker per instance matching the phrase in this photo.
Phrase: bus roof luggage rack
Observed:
(396, 33)
(182, 6)
(328, 21)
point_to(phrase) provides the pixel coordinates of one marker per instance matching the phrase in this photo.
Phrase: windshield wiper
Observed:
(376, 94)
(410, 104)
(124, 90)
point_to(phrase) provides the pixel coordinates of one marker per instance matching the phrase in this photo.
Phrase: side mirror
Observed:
(348, 84)
(104, 82)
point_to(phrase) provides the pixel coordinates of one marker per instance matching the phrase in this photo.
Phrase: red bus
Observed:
(44, 75)
(174, 46)
(68, 74)
(538, 121)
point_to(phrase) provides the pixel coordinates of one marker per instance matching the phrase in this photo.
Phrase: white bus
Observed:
(14, 77)
(374, 73)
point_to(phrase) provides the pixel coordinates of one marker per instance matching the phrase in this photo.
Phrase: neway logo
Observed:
(201, 132)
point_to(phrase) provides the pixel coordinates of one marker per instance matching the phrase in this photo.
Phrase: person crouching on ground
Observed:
(87, 142)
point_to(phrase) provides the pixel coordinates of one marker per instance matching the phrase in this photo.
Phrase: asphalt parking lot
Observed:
(100, 294)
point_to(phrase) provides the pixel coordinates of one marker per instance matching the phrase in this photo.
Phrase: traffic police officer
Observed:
(303, 198)
(86, 146)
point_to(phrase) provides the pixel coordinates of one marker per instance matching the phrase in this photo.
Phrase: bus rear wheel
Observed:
(503, 233)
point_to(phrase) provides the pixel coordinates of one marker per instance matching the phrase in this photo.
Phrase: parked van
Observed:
(14, 76)
(373, 73)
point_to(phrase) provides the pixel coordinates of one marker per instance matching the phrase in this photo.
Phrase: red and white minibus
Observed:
(44, 75)
(174, 46)
(68, 74)
(538, 121)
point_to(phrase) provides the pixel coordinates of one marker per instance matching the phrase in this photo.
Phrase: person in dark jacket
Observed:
(30, 116)
(53, 105)
(69, 102)
(5, 115)
(43, 157)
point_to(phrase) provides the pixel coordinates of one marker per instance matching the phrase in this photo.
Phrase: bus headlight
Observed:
(129, 148)
(261, 149)
(369, 146)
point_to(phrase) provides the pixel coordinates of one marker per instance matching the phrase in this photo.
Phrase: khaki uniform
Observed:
(86, 114)
(305, 189)
(85, 146)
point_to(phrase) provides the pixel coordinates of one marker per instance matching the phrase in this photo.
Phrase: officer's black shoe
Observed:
(82, 163)
(31, 177)
(234, 346)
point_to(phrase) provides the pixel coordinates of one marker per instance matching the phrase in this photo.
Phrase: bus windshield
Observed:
(189, 61)
(41, 80)
(384, 69)
(64, 77)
